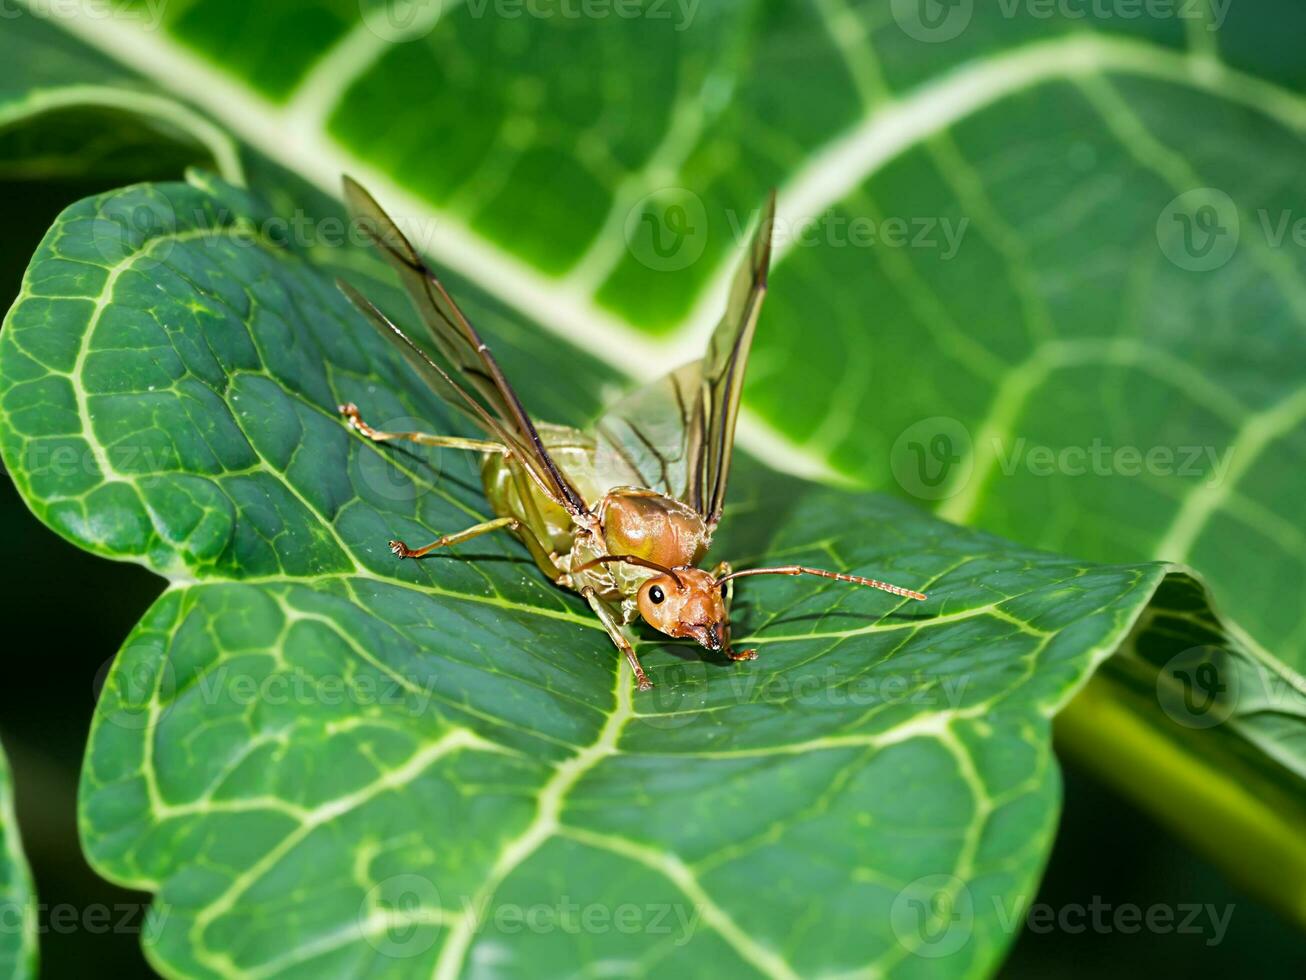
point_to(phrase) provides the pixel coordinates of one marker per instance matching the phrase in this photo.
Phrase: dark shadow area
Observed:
(67, 613)
(1110, 855)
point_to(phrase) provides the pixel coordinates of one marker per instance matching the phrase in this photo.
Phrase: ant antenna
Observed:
(840, 576)
(632, 560)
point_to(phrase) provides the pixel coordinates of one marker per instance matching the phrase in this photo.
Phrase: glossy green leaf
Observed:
(325, 761)
(17, 903)
(985, 215)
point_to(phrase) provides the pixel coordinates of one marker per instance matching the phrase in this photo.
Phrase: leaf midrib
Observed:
(830, 174)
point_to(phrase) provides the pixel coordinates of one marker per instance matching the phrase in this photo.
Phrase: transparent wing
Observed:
(460, 344)
(677, 434)
(651, 437)
(448, 389)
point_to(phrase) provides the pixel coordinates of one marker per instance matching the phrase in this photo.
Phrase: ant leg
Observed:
(720, 571)
(402, 550)
(355, 421)
(543, 557)
(619, 638)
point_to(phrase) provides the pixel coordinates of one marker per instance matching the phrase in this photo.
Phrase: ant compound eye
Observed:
(656, 595)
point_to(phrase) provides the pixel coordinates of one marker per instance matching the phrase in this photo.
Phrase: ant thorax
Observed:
(652, 526)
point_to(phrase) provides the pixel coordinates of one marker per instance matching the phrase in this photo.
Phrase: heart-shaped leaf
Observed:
(1086, 319)
(323, 760)
(17, 905)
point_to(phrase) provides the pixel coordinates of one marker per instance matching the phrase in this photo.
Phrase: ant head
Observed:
(686, 602)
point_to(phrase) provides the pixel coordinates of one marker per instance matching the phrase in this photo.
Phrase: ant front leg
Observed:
(618, 637)
(720, 571)
(355, 422)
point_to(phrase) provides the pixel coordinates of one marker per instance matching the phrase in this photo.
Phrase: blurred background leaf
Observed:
(17, 900)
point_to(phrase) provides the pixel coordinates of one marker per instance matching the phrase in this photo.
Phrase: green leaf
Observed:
(1030, 335)
(325, 761)
(65, 113)
(1040, 303)
(17, 902)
